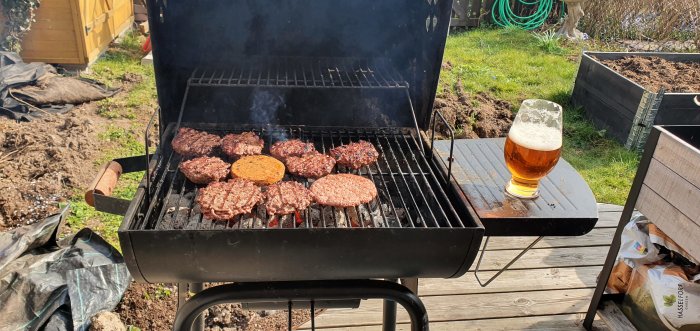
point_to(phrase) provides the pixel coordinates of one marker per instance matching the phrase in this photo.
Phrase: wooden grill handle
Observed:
(104, 182)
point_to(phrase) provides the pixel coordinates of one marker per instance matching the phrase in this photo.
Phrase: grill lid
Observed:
(313, 62)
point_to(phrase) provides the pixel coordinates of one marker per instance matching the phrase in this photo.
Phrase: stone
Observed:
(106, 321)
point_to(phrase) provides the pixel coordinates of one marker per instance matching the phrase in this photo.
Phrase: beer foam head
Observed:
(535, 136)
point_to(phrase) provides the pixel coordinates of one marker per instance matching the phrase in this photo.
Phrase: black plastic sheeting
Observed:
(54, 284)
(15, 74)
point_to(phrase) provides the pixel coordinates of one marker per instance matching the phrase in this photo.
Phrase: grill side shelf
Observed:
(566, 206)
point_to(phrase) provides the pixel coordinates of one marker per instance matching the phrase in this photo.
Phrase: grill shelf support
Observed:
(515, 259)
(306, 291)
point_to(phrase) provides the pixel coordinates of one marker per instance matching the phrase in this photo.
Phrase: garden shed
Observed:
(75, 31)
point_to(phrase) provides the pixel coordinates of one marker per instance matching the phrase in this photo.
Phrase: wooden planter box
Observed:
(625, 109)
(75, 32)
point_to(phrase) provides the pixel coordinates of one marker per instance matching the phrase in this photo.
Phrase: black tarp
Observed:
(28, 90)
(57, 284)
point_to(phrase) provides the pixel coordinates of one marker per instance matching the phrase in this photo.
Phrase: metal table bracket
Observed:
(481, 255)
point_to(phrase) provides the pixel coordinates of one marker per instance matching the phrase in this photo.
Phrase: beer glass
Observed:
(533, 146)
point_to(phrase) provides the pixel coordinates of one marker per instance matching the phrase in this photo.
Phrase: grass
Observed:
(514, 65)
(119, 67)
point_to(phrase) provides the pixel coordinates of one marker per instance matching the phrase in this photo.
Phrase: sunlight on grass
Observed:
(513, 65)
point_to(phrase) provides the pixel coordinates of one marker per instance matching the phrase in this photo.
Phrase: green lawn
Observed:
(514, 65)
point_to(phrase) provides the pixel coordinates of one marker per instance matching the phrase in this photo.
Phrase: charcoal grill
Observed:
(328, 72)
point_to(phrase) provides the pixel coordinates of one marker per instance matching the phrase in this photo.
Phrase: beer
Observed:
(532, 149)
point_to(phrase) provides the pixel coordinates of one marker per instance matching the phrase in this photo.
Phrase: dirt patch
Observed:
(153, 307)
(474, 116)
(42, 162)
(46, 161)
(654, 73)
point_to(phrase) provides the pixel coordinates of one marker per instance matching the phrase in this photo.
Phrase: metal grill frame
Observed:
(296, 72)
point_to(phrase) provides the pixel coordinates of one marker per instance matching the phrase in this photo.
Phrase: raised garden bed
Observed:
(626, 102)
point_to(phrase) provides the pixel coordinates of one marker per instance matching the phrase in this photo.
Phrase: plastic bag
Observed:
(661, 297)
(636, 249)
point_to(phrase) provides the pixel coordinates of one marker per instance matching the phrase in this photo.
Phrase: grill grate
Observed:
(409, 194)
(303, 73)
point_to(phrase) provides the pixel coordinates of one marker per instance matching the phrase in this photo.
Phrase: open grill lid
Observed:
(359, 57)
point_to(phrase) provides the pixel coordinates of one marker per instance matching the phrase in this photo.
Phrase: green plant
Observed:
(19, 15)
(549, 42)
(162, 292)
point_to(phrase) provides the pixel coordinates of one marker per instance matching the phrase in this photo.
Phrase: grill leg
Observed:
(199, 322)
(182, 290)
(389, 313)
(304, 291)
(389, 318)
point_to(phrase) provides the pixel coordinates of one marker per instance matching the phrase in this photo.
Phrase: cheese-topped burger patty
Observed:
(261, 169)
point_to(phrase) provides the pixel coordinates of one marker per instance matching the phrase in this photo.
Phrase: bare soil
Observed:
(43, 161)
(46, 161)
(473, 116)
(153, 307)
(654, 73)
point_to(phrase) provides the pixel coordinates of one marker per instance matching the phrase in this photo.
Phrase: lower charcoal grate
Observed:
(409, 194)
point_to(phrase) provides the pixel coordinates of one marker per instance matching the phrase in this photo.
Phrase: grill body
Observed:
(328, 72)
(415, 228)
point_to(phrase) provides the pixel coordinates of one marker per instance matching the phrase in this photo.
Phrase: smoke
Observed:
(264, 110)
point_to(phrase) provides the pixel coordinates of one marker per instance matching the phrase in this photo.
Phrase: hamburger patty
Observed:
(190, 142)
(286, 197)
(204, 169)
(355, 155)
(245, 143)
(261, 169)
(343, 190)
(224, 200)
(281, 150)
(310, 165)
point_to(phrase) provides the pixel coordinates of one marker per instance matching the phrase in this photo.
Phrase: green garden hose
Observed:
(503, 14)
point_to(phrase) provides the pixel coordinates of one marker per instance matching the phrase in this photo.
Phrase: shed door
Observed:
(104, 20)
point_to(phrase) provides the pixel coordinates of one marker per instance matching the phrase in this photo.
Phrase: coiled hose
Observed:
(503, 15)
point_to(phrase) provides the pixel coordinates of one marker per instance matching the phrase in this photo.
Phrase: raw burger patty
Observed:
(224, 200)
(355, 155)
(343, 190)
(311, 165)
(281, 150)
(261, 169)
(286, 197)
(190, 142)
(245, 143)
(203, 170)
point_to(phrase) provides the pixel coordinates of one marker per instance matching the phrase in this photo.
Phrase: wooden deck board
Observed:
(563, 322)
(548, 289)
